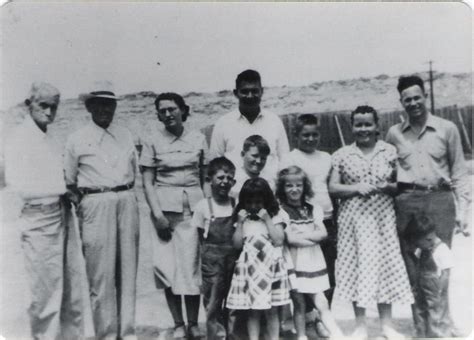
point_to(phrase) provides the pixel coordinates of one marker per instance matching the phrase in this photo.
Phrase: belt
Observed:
(88, 191)
(41, 207)
(402, 186)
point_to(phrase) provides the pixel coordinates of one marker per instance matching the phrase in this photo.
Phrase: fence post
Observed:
(341, 136)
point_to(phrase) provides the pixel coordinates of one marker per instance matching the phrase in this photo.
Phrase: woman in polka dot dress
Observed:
(369, 267)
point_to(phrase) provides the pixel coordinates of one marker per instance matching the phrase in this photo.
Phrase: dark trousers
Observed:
(431, 308)
(439, 206)
(217, 267)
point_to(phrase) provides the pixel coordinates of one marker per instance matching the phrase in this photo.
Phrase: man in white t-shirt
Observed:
(232, 129)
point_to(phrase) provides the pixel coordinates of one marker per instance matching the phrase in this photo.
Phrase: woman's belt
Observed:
(88, 191)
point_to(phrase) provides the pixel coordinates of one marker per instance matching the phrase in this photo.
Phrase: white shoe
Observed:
(360, 333)
(391, 334)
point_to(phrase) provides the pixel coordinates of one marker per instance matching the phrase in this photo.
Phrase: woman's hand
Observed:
(365, 189)
(162, 226)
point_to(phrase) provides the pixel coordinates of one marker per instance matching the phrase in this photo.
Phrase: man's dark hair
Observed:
(219, 163)
(178, 101)
(257, 141)
(365, 109)
(405, 82)
(248, 76)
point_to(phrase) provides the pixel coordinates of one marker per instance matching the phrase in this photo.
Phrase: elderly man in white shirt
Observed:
(232, 129)
(34, 170)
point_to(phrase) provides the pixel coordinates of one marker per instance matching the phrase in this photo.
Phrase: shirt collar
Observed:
(173, 138)
(34, 129)
(431, 122)
(261, 115)
(379, 146)
(99, 133)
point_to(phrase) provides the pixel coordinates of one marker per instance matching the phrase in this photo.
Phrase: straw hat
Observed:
(99, 89)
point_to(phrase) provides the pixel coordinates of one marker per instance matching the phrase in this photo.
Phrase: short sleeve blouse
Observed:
(178, 162)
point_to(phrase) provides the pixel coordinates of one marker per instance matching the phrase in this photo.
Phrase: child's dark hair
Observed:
(419, 226)
(257, 187)
(280, 184)
(305, 119)
(259, 142)
(219, 163)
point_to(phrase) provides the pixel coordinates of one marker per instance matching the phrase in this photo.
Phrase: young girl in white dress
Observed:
(260, 280)
(305, 232)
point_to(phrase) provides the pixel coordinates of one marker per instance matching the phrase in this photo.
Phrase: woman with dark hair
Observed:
(173, 161)
(369, 266)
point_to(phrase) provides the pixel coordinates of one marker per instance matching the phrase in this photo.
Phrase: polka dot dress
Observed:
(369, 267)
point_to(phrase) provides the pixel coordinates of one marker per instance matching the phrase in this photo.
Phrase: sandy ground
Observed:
(153, 318)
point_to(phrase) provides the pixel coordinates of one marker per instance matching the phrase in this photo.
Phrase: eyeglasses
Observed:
(167, 109)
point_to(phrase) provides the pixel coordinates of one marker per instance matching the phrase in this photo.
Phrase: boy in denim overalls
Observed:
(213, 218)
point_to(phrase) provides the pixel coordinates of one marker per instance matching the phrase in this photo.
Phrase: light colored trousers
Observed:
(51, 250)
(109, 224)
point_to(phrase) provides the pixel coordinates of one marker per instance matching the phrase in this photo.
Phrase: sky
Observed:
(201, 47)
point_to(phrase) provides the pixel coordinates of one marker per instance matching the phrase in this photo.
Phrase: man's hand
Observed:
(462, 226)
(72, 196)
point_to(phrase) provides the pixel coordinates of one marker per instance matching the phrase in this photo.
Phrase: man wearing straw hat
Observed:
(100, 167)
(33, 169)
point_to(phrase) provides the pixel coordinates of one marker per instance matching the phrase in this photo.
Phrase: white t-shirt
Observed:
(317, 166)
(202, 215)
(442, 256)
(241, 176)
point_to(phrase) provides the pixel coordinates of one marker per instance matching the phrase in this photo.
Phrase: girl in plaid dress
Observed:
(260, 281)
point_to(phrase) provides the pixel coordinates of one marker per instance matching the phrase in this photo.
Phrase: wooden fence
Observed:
(330, 140)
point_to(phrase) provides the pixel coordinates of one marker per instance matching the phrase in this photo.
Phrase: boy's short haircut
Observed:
(219, 163)
(305, 119)
(405, 82)
(248, 76)
(257, 141)
(419, 226)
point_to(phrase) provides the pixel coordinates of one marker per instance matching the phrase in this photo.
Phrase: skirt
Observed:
(176, 263)
(260, 279)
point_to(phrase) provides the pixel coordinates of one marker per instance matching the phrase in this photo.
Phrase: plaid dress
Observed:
(260, 279)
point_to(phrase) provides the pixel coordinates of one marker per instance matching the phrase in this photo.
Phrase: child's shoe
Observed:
(179, 332)
(194, 332)
(360, 333)
(321, 330)
(391, 334)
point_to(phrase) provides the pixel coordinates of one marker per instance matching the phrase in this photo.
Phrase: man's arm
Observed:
(459, 175)
(218, 142)
(283, 147)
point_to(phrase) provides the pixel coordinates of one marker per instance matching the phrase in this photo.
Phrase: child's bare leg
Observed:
(385, 313)
(273, 324)
(326, 316)
(253, 324)
(299, 313)
(361, 322)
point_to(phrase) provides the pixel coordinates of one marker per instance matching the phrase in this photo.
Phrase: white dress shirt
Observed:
(232, 129)
(33, 163)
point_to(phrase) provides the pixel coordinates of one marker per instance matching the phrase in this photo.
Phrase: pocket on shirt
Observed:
(437, 153)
